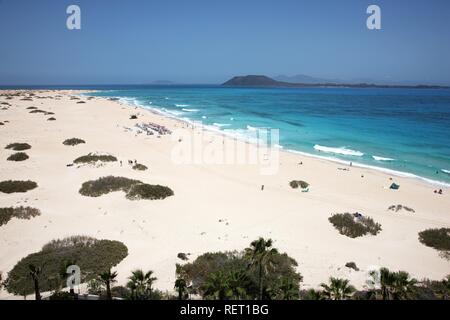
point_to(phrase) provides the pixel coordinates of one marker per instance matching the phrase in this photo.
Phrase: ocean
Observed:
(401, 131)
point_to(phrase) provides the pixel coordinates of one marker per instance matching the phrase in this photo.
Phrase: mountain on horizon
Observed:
(306, 79)
(302, 78)
(264, 81)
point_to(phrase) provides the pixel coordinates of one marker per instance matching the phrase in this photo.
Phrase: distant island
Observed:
(264, 81)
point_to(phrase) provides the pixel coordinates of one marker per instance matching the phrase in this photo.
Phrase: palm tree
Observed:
(446, 285)
(386, 282)
(140, 284)
(35, 273)
(181, 287)
(288, 290)
(403, 285)
(260, 255)
(313, 294)
(108, 278)
(216, 287)
(238, 282)
(338, 289)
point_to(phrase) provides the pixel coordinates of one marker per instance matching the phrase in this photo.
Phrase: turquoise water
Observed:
(405, 130)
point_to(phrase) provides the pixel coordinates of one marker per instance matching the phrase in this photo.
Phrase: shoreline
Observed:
(401, 174)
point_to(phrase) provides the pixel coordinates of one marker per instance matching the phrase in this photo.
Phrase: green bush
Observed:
(93, 158)
(399, 207)
(149, 192)
(183, 256)
(18, 146)
(91, 255)
(121, 292)
(140, 167)
(51, 119)
(352, 265)
(134, 189)
(61, 296)
(27, 213)
(105, 185)
(438, 239)
(19, 156)
(12, 186)
(353, 227)
(73, 142)
(298, 183)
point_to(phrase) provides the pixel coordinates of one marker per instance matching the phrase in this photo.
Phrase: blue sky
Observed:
(208, 41)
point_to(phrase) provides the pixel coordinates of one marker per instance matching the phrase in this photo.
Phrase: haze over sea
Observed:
(405, 130)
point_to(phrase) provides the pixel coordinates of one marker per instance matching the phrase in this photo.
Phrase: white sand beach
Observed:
(215, 207)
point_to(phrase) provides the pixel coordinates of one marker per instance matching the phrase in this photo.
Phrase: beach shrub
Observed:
(183, 256)
(134, 189)
(298, 183)
(61, 296)
(352, 265)
(438, 239)
(26, 213)
(139, 167)
(51, 119)
(133, 117)
(121, 292)
(148, 192)
(19, 156)
(73, 142)
(354, 226)
(91, 255)
(105, 185)
(13, 186)
(18, 146)
(38, 111)
(2, 124)
(399, 207)
(31, 108)
(93, 158)
(81, 102)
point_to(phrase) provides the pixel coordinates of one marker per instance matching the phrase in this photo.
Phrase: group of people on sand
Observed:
(130, 162)
(438, 191)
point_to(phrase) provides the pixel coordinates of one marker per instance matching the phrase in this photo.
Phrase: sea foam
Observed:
(377, 158)
(342, 150)
(220, 125)
(190, 110)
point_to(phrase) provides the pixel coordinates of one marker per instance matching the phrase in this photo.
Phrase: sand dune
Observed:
(155, 231)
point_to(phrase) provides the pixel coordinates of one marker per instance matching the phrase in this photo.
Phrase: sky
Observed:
(209, 41)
